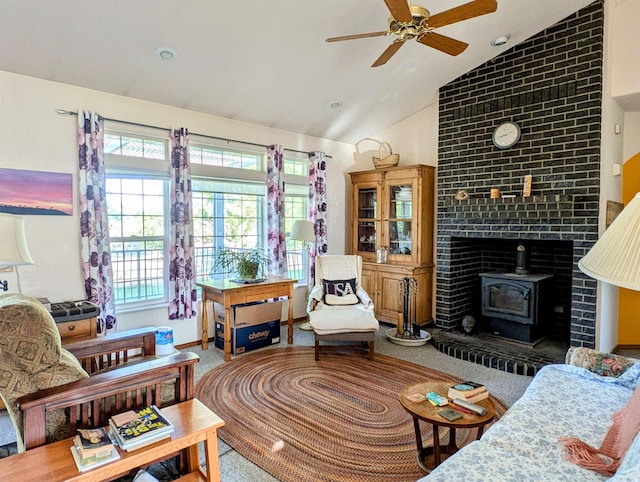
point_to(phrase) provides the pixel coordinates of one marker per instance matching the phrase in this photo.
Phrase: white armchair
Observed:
(339, 308)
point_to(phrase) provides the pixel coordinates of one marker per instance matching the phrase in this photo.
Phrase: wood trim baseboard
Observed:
(625, 347)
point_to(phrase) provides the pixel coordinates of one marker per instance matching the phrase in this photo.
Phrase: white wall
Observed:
(631, 131)
(34, 137)
(415, 139)
(610, 187)
(625, 37)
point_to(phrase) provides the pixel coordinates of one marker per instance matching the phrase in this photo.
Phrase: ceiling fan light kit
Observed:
(409, 22)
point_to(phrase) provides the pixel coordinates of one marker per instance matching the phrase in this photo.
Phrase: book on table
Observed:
(436, 399)
(92, 448)
(416, 397)
(467, 390)
(93, 462)
(137, 428)
(474, 398)
(92, 443)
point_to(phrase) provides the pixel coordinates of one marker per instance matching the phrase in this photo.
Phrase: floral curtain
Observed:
(182, 275)
(94, 227)
(318, 205)
(277, 242)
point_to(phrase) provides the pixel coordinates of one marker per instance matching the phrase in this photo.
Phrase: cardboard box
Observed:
(249, 314)
(251, 337)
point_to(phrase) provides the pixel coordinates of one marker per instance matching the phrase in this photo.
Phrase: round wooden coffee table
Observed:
(430, 457)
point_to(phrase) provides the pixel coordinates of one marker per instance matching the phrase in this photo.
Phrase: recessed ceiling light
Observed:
(500, 40)
(165, 53)
(335, 104)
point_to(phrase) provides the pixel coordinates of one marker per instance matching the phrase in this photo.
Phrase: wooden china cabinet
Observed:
(393, 209)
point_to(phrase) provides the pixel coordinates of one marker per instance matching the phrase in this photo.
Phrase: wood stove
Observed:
(516, 304)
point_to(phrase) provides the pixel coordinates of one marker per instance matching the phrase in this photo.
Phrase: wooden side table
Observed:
(430, 457)
(228, 293)
(75, 320)
(193, 422)
(77, 330)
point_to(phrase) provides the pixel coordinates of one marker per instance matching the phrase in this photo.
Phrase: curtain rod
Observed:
(68, 112)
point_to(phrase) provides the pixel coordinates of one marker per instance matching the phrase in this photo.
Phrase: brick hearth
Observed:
(498, 354)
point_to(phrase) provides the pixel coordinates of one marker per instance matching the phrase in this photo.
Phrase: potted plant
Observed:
(247, 263)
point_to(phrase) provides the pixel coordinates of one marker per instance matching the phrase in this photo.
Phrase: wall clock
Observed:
(506, 135)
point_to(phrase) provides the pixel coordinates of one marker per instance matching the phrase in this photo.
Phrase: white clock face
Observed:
(506, 135)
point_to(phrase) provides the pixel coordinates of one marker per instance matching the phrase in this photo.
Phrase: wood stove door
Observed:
(508, 300)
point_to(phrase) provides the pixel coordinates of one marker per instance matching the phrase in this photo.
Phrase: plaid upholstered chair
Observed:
(339, 308)
(50, 390)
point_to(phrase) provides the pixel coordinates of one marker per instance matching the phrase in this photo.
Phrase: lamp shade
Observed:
(615, 258)
(13, 242)
(303, 231)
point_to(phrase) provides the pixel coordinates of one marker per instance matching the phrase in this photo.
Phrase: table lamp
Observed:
(615, 258)
(13, 246)
(303, 231)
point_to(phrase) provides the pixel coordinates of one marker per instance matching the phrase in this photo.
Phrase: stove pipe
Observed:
(522, 259)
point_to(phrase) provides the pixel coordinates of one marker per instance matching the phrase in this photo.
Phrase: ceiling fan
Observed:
(409, 22)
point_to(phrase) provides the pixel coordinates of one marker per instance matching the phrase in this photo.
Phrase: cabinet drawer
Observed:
(75, 329)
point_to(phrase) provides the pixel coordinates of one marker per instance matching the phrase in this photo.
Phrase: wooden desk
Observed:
(228, 293)
(193, 422)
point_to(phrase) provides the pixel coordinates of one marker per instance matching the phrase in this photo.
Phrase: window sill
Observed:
(135, 308)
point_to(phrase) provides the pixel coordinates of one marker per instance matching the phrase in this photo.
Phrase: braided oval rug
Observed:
(338, 419)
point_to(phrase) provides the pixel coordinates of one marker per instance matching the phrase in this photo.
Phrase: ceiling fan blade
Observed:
(399, 10)
(356, 36)
(445, 44)
(462, 12)
(388, 53)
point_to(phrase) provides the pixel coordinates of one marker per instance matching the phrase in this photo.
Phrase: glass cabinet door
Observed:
(367, 218)
(400, 219)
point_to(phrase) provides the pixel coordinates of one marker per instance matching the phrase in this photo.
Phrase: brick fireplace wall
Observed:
(551, 85)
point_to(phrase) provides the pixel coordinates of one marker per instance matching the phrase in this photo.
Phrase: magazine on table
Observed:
(136, 428)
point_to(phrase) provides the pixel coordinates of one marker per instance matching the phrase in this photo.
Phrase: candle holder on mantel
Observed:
(407, 331)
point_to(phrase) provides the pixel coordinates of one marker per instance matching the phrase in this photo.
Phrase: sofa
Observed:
(577, 399)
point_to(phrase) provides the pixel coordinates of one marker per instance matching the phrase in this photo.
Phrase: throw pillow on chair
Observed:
(340, 292)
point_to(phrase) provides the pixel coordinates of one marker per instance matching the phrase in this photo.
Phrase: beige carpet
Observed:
(338, 419)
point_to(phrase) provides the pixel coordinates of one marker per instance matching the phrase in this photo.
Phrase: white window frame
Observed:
(145, 303)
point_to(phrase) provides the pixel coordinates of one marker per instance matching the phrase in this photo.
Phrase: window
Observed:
(122, 145)
(296, 207)
(137, 230)
(229, 210)
(296, 167)
(213, 156)
(226, 214)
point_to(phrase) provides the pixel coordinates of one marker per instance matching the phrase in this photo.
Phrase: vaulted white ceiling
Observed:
(264, 62)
